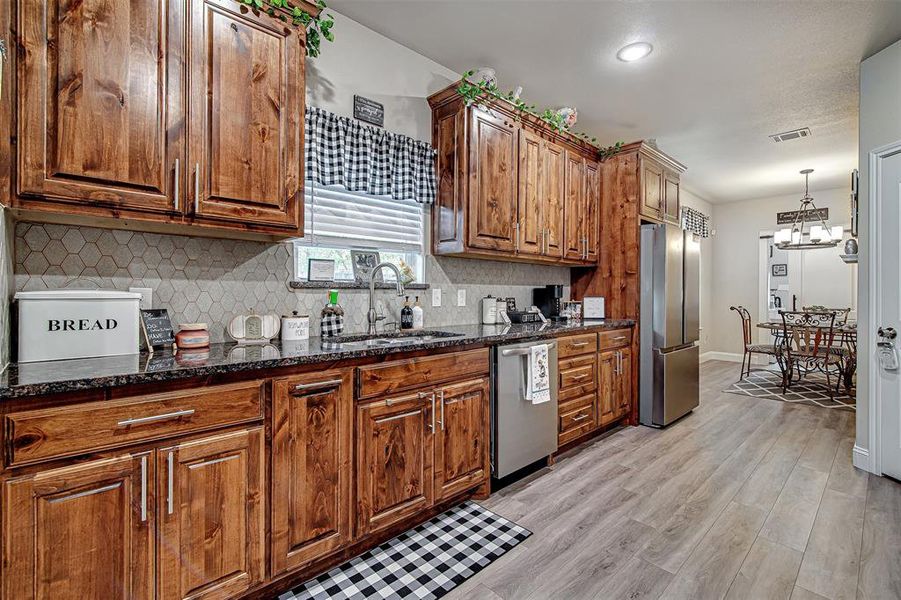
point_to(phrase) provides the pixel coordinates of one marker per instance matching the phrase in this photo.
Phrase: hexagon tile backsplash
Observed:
(211, 280)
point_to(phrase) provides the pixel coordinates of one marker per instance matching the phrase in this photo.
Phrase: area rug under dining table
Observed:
(811, 390)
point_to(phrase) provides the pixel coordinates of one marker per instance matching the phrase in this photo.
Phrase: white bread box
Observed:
(61, 324)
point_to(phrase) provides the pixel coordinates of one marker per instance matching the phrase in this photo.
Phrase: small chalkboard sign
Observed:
(369, 111)
(157, 328)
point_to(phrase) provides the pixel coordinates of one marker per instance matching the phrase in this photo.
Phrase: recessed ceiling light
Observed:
(635, 51)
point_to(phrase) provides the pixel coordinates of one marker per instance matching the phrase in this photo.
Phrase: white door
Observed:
(888, 307)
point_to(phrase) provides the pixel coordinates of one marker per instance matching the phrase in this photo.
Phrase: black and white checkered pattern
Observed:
(695, 221)
(343, 151)
(331, 325)
(425, 562)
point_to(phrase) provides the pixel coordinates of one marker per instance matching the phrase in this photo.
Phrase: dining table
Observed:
(845, 336)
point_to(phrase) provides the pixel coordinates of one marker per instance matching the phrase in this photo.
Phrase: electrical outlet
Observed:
(146, 302)
(461, 297)
(436, 296)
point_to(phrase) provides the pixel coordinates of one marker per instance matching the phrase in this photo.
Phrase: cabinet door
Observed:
(395, 444)
(624, 383)
(554, 198)
(246, 116)
(492, 183)
(84, 531)
(607, 386)
(212, 524)
(651, 189)
(593, 208)
(671, 197)
(530, 205)
(574, 193)
(312, 424)
(461, 442)
(101, 111)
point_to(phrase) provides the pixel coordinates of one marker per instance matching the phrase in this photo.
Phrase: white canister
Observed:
(295, 327)
(63, 324)
(489, 310)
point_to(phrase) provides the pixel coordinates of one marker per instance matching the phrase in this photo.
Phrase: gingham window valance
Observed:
(342, 151)
(695, 221)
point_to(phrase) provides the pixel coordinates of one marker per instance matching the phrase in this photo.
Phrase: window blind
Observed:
(335, 216)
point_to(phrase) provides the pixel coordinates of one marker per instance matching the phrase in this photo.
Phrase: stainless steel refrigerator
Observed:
(670, 291)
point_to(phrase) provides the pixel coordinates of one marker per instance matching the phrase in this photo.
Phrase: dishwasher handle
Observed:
(522, 351)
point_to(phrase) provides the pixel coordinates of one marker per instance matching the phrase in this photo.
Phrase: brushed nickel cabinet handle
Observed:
(516, 240)
(578, 344)
(144, 488)
(581, 417)
(177, 190)
(441, 393)
(619, 338)
(580, 377)
(196, 188)
(170, 477)
(433, 412)
(317, 385)
(154, 418)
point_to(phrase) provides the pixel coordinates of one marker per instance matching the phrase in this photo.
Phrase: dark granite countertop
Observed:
(41, 378)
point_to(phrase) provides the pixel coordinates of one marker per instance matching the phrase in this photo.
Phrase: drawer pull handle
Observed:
(523, 351)
(619, 337)
(154, 418)
(578, 344)
(580, 377)
(580, 417)
(317, 385)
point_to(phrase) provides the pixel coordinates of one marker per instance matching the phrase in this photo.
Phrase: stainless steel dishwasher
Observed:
(521, 432)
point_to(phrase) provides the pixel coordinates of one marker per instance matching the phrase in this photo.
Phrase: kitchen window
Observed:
(337, 220)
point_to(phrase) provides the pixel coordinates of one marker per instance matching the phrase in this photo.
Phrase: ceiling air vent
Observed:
(794, 134)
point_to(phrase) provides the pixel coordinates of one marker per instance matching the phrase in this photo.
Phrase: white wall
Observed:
(880, 124)
(736, 247)
(366, 63)
(691, 200)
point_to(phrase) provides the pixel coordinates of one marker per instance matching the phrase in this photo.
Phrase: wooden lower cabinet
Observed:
(312, 450)
(461, 441)
(624, 383)
(614, 384)
(395, 477)
(81, 531)
(212, 524)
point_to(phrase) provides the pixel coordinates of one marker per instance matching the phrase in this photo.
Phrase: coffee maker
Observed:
(548, 300)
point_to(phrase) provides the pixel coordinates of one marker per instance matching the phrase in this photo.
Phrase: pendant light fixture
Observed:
(809, 230)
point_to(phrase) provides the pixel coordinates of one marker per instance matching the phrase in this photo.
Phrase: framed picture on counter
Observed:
(320, 269)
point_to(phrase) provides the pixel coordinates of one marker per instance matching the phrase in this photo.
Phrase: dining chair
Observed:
(809, 345)
(844, 339)
(749, 348)
(841, 314)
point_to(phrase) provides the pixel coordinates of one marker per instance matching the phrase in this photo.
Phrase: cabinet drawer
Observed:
(576, 420)
(615, 339)
(578, 376)
(577, 344)
(64, 431)
(410, 373)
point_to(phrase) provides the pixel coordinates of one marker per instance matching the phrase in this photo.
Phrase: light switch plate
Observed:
(461, 297)
(146, 302)
(436, 297)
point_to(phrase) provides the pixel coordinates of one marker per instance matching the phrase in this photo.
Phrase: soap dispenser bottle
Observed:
(406, 315)
(417, 314)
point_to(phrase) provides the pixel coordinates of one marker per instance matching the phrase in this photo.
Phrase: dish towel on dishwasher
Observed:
(538, 378)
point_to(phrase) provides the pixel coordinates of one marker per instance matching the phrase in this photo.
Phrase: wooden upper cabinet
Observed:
(212, 525)
(101, 109)
(82, 531)
(461, 441)
(671, 203)
(312, 452)
(246, 116)
(574, 207)
(554, 169)
(530, 205)
(492, 182)
(593, 208)
(395, 476)
(651, 189)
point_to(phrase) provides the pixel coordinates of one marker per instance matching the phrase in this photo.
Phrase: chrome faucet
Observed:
(372, 317)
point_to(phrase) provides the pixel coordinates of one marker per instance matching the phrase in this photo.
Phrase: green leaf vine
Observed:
(318, 27)
(473, 92)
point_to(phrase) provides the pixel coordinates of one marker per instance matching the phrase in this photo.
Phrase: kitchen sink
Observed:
(387, 340)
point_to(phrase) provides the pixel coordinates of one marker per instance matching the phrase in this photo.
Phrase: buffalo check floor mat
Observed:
(426, 562)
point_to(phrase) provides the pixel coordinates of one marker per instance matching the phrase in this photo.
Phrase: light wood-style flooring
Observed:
(744, 498)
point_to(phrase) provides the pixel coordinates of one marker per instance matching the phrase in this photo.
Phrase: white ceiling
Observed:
(723, 74)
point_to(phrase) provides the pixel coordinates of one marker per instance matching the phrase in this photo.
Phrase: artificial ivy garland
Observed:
(317, 27)
(472, 92)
